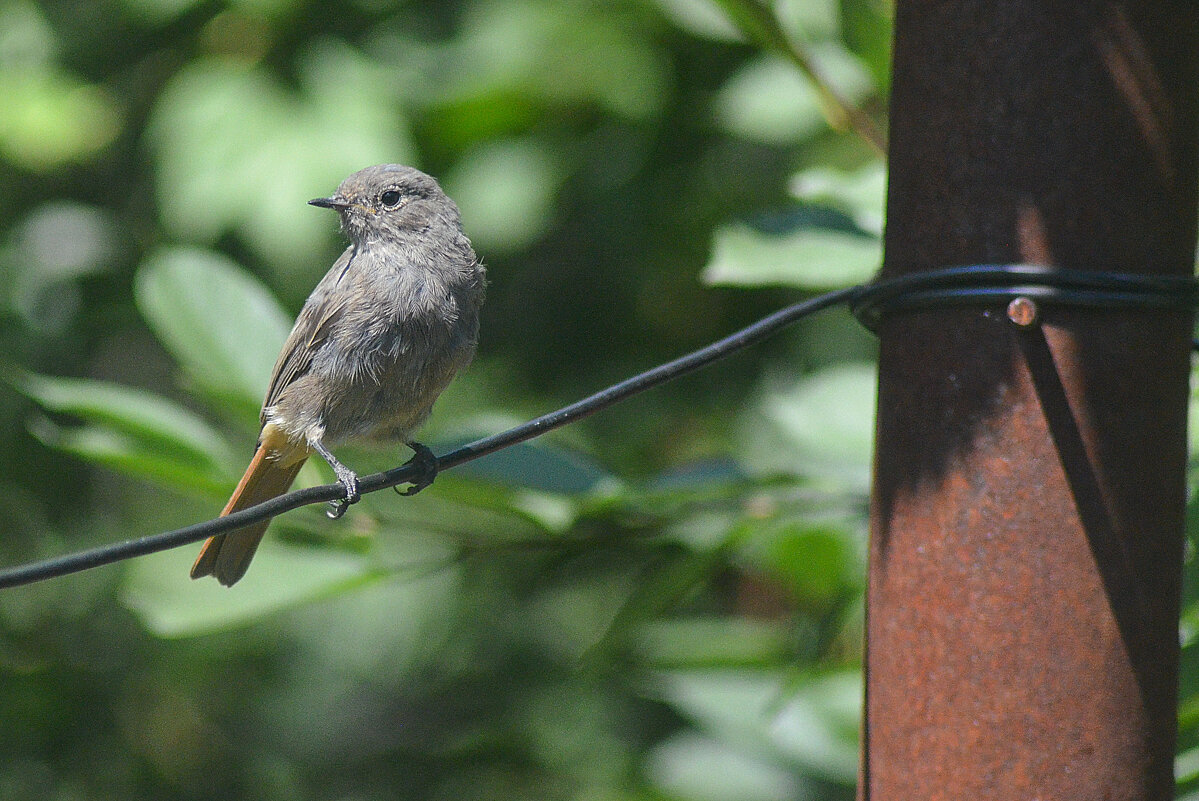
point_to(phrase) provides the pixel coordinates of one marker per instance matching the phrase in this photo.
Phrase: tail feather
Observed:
(227, 556)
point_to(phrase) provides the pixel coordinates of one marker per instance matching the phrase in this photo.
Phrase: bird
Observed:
(378, 340)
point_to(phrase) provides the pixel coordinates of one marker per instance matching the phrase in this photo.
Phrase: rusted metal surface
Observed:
(1028, 510)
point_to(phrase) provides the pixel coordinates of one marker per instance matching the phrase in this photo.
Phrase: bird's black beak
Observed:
(334, 202)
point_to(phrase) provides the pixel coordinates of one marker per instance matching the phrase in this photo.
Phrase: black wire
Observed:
(107, 554)
(991, 283)
(869, 302)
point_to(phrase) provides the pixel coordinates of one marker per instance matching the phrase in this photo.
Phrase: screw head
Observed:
(1022, 311)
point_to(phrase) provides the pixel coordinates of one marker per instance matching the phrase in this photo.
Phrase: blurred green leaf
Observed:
(131, 430)
(289, 148)
(819, 561)
(1193, 415)
(557, 53)
(756, 19)
(818, 725)
(861, 193)
(52, 118)
(26, 37)
(702, 18)
(161, 423)
(821, 427)
(540, 465)
(807, 20)
(809, 257)
(127, 454)
(476, 513)
(171, 604)
(712, 641)
(222, 325)
(506, 192)
(770, 101)
(1186, 766)
(697, 768)
(812, 725)
(868, 33)
(53, 249)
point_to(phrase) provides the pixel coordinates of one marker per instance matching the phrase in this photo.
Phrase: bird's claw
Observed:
(349, 481)
(426, 462)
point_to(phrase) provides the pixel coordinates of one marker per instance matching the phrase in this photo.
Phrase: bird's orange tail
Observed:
(227, 556)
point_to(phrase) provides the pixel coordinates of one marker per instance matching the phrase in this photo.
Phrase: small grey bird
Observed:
(381, 336)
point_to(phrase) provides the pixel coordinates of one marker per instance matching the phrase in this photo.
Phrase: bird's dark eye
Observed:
(390, 199)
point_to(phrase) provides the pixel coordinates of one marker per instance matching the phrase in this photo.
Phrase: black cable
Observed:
(869, 303)
(993, 283)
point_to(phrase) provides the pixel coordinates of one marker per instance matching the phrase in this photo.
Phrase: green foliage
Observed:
(130, 430)
(1186, 768)
(221, 325)
(663, 602)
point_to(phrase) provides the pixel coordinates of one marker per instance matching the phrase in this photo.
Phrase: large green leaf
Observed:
(222, 325)
(811, 723)
(238, 151)
(131, 430)
(770, 101)
(821, 427)
(171, 604)
(699, 768)
(860, 193)
(150, 417)
(809, 257)
(506, 193)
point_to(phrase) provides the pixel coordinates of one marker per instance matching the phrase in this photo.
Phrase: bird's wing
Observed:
(312, 327)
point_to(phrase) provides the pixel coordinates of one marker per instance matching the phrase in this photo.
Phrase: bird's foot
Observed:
(349, 480)
(426, 462)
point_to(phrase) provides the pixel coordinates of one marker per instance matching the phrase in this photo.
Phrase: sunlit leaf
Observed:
(770, 101)
(170, 604)
(127, 454)
(236, 151)
(222, 325)
(860, 193)
(700, 768)
(505, 191)
(813, 725)
(158, 421)
(808, 257)
(820, 427)
(52, 118)
(130, 430)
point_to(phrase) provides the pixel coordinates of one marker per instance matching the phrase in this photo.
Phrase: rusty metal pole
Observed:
(1027, 518)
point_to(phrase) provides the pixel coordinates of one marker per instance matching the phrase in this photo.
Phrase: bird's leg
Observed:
(426, 462)
(345, 476)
